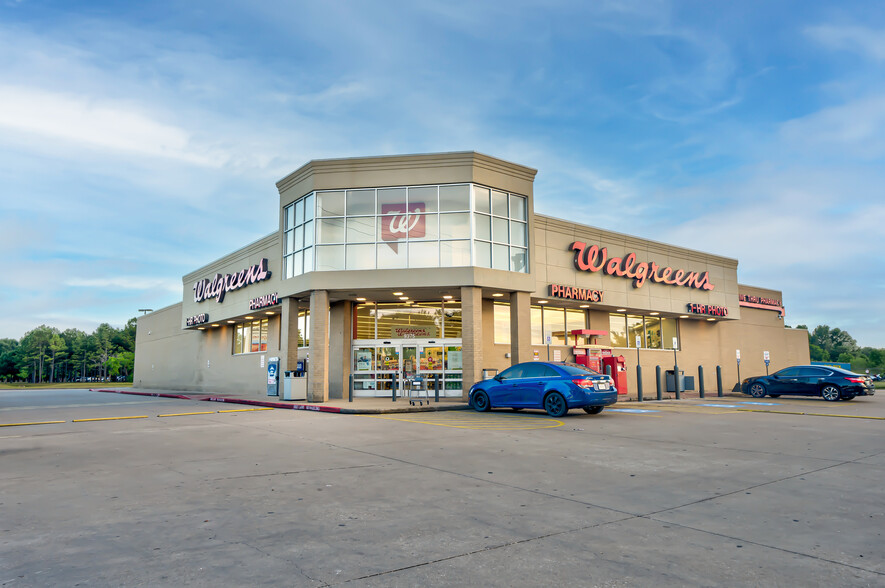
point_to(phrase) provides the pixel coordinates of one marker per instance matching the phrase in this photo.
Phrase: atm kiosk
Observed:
(597, 357)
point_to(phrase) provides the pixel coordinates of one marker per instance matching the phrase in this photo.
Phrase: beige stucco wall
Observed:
(169, 357)
(554, 264)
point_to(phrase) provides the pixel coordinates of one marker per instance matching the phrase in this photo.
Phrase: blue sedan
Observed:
(554, 387)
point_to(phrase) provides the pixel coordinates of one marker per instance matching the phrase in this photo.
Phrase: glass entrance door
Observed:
(375, 365)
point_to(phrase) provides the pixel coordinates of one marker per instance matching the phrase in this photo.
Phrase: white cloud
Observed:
(98, 124)
(856, 128)
(127, 283)
(859, 39)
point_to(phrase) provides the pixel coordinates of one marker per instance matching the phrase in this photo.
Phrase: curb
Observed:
(286, 406)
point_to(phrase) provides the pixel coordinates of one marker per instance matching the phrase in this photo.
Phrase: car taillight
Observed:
(582, 383)
(856, 380)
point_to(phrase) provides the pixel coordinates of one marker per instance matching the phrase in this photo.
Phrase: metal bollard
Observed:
(701, 380)
(393, 387)
(677, 381)
(436, 387)
(350, 390)
(658, 382)
(719, 379)
(639, 383)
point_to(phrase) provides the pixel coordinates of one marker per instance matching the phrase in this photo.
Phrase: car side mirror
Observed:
(498, 378)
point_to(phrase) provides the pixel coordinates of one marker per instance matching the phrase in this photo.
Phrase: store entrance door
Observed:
(376, 364)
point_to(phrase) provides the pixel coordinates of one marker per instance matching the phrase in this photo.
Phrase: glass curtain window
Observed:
(501, 230)
(298, 238)
(451, 225)
(502, 323)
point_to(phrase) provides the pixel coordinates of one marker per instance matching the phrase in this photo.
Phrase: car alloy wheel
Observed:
(555, 405)
(757, 390)
(830, 393)
(481, 401)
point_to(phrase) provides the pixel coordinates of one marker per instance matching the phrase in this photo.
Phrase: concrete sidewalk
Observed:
(358, 406)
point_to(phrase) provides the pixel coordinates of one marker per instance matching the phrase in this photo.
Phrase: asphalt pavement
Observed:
(130, 490)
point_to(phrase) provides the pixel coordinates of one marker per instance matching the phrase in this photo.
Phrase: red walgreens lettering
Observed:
(594, 259)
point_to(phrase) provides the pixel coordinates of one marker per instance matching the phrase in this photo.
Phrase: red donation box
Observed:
(618, 371)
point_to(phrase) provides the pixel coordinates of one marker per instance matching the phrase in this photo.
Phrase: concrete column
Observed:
(471, 336)
(340, 336)
(520, 327)
(318, 366)
(288, 334)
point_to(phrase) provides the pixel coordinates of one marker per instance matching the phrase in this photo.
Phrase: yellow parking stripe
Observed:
(186, 413)
(844, 416)
(35, 423)
(109, 419)
(246, 409)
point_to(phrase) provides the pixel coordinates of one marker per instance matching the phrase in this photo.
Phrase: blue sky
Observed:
(141, 140)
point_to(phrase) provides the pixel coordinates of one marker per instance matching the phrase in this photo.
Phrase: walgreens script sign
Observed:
(401, 221)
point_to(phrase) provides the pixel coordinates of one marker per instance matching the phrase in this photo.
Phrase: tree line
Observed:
(46, 354)
(836, 345)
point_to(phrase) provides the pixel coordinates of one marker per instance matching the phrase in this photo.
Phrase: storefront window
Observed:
(574, 319)
(502, 323)
(554, 325)
(398, 322)
(452, 312)
(364, 321)
(617, 330)
(251, 337)
(304, 328)
(635, 329)
(537, 326)
(670, 328)
(421, 320)
(653, 332)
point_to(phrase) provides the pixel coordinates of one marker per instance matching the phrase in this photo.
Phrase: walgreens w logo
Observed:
(400, 221)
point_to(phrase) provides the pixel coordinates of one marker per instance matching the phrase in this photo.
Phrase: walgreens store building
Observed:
(387, 268)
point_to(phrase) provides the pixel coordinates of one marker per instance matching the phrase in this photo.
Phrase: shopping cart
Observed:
(416, 387)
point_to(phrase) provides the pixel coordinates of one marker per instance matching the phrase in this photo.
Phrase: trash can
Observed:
(489, 373)
(671, 382)
(294, 386)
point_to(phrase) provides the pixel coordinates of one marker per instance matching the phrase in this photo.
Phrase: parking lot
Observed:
(139, 491)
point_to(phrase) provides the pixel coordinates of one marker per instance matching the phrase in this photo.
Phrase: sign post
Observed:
(638, 370)
(549, 339)
(676, 371)
(737, 353)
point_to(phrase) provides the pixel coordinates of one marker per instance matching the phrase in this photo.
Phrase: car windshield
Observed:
(574, 369)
